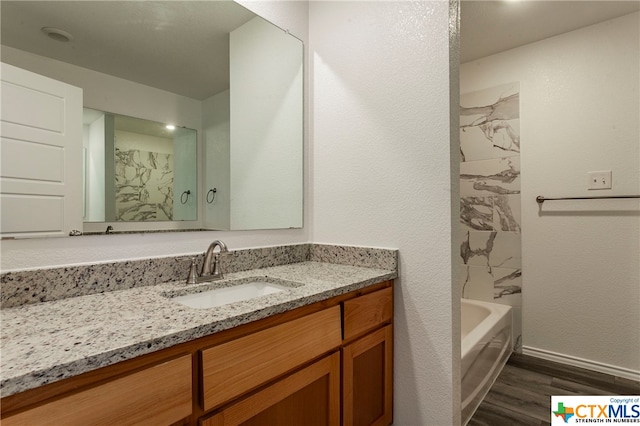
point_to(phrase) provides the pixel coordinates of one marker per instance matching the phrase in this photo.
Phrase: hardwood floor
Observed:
(522, 393)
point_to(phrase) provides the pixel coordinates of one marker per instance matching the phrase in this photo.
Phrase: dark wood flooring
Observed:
(522, 393)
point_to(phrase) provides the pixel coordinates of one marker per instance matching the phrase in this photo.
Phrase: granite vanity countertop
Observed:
(46, 342)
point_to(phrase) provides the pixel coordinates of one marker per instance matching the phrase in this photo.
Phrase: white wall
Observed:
(40, 253)
(580, 112)
(381, 176)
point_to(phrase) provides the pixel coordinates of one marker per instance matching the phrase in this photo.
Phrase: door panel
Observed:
(41, 150)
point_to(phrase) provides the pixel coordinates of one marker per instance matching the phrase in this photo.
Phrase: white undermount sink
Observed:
(225, 295)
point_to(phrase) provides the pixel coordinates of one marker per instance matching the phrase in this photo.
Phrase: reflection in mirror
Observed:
(253, 133)
(137, 170)
(174, 61)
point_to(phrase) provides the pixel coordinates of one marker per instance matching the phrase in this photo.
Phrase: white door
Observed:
(41, 155)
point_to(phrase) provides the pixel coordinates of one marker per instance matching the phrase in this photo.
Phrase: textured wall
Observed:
(381, 175)
(579, 95)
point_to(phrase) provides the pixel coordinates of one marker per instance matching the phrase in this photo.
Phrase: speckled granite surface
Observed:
(365, 257)
(45, 342)
(44, 285)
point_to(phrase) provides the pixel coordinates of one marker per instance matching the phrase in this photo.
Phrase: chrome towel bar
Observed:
(540, 199)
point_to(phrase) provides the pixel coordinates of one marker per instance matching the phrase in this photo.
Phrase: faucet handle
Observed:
(217, 271)
(192, 278)
(193, 272)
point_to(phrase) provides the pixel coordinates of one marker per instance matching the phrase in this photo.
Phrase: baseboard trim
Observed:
(582, 363)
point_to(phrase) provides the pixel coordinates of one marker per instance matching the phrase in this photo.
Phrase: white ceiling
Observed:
(489, 27)
(178, 46)
(182, 46)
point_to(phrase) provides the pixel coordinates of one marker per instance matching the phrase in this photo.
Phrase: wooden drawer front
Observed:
(308, 397)
(159, 395)
(235, 367)
(366, 312)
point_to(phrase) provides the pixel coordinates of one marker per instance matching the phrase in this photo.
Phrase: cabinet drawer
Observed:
(366, 312)
(159, 395)
(308, 397)
(235, 367)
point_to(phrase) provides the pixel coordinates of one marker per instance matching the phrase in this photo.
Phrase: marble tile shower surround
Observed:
(144, 185)
(490, 216)
(34, 286)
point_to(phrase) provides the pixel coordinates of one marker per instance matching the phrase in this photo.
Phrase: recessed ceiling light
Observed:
(171, 126)
(57, 34)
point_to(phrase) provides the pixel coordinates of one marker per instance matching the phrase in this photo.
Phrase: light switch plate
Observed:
(599, 180)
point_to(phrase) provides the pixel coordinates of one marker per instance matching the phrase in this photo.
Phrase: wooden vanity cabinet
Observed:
(315, 394)
(367, 360)
(328, 363)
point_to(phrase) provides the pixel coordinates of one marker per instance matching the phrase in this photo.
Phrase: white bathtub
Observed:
(486, 346)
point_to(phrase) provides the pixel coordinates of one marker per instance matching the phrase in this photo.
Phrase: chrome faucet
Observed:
(211, 266)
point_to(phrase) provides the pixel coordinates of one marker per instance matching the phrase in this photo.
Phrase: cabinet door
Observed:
(309, 397)
(368, 379)
(41, 145)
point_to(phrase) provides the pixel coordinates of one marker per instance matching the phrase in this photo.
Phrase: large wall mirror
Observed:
(229, 81)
